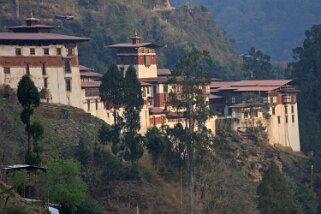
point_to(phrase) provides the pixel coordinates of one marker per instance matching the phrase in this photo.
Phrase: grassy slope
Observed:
(111, 21)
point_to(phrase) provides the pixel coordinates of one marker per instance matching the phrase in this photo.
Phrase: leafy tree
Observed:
(190, 77)
(256, 65)
(37, 134)
(83, 152)
(275, 195)
(306, 72)
(156, 144)
(133, 105)
(65, 185)
(105, 134)
(112, 90)
(29, 99)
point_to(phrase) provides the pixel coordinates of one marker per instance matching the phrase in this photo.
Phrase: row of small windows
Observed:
(46, 51)
(286, 110)
(286, 119)
(96, 105)
(67, 67)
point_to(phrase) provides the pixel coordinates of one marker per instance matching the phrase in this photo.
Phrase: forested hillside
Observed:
(273, 26)
(114, 21)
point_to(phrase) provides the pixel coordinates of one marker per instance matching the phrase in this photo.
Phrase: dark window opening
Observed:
(69, 51)
(27, 69)
(96, 104)
(293, 119)
(273, 110)
(286, 119)
(67, 66)
(68, 84)
(44, 71)
(88, 105)
(292, 109)
(6, 70)
(286, 109)
(45, 82)
(148, 60)
(58, 51)
(46, 51)
(279, 119)
(32, 51)
(18, 51)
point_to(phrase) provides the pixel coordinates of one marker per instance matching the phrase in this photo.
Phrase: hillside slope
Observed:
(273, 26)
(234, 162)
(111, 21)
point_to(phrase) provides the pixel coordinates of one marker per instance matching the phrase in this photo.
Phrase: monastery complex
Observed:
(52, 62)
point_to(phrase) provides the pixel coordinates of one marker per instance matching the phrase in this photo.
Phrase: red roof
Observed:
(144, 83)
(164, 72)
(90, 74)
(93, 84)
(32, 27)
(249, 85)
(84, 68)
(131, 45)
(156, 110)
(40, 37)
(161, 79)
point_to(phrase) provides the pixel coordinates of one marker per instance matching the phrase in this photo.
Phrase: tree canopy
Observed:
(256, 65)
(275, 194)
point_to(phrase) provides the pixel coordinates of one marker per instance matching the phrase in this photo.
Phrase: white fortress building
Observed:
(51, 60)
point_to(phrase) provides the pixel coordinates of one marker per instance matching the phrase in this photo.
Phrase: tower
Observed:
(141, 55)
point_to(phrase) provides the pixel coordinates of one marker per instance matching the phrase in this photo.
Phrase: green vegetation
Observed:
(133, 103)
(257, 66)
(65, 185)
(29, 99)
(272, 26)
(275, 194)
(115, 21)
(305, 70)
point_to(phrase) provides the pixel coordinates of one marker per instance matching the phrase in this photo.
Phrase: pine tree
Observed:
(29, 99)
(133, 104)
(191, 77)
(275, 195)
(112, 90)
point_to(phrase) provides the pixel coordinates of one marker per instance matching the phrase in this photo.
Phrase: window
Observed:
(144, 92)
(44, 71)
(273, 110)
(107, 115)
(88, 105)
(27, 69)
(147, 90)
(45, 82)
(293, 100)
(265, 100)
(68, 84)
(286, 109)
(246, 114)
(147, 60)
(275, 100)
(233, 99)
(46, 51)
(165, 88)
(32, 51)
(286, 119)
(70, 51)
(286, 99)
(59, 51)
(292, 118)
(67, 66)
(279, 119)
(18, 51)
(6, 70)
(292, 109)
(96, 104)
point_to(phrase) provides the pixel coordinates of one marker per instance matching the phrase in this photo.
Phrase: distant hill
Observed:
(111, 21)
(274, 26)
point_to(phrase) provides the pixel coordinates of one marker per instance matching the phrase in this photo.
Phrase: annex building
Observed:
(52, 62)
